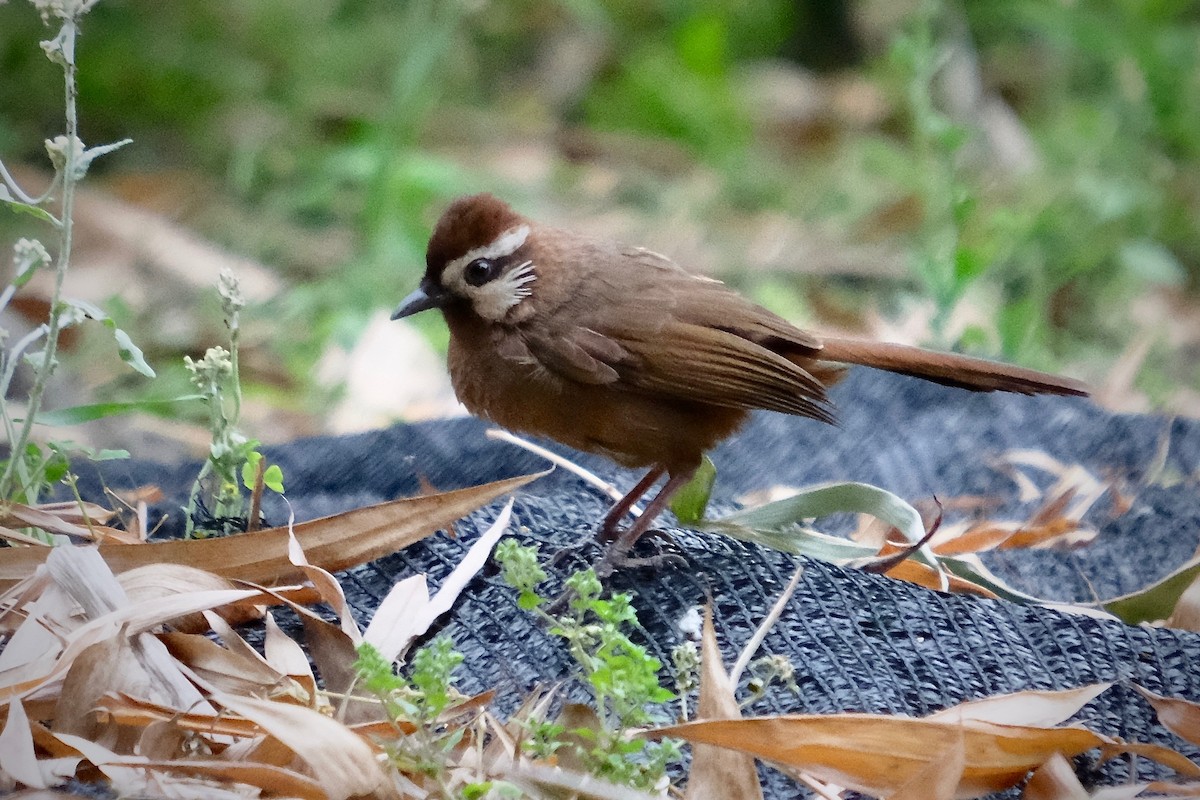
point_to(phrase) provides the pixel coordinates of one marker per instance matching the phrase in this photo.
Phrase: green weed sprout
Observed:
(621, 674)
(233, 460)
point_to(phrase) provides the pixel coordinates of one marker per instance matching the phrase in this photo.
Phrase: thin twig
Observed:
(570, 466)
(256, 496)
(764, 627)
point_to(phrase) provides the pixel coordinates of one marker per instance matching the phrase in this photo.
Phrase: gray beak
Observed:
(425, 297)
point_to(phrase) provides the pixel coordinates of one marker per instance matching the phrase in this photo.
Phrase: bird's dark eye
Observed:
(480, 271)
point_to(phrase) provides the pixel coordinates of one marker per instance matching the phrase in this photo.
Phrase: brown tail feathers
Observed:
(976, 374)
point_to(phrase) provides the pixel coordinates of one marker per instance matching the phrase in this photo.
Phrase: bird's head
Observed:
(478, 261)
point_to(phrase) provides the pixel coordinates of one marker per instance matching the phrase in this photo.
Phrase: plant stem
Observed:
(73, 154)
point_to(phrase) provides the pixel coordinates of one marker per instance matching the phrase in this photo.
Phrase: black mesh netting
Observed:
(858, 642)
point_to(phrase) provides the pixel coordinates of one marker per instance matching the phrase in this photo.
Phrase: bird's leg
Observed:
(618, 552)
(608, 528)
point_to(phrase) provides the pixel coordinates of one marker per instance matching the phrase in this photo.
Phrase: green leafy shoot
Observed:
(622, 675)
(419, 700)
(690, 502)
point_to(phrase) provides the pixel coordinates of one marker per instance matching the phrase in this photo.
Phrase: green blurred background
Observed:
(1016, 178)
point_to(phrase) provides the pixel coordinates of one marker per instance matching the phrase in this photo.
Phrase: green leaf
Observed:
(250, 469)
(33, 211)
(273, 478)
(1156, 601)
(691, 500)
(968, 265)
(781, 524)
(130, 353)
(76, 415)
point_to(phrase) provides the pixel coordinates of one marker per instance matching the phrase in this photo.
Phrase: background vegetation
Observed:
(1014, 178)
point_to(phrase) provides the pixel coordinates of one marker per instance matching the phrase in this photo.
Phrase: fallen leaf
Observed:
(1181, 717)
(718, 772)
(332, 543)
(343, 764)
(401, 631)
(1031, 707)
(940, 778)
(1055, 780)
(879, 754)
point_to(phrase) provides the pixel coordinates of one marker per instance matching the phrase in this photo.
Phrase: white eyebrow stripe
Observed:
(505, 245)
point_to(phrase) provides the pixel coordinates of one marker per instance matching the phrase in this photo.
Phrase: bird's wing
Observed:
(680, 337)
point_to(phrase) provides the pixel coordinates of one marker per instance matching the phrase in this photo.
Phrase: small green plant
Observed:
(621, 674)
(233, 460)
(31, 468)
(418, 700)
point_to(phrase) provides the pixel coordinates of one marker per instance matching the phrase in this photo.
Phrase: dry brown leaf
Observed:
(137, 776)
(62, 518)
(152, 582)
(1181, 717)
(718, 772)
(391, 627)
(233, 671)
(334, 655)
(879, 754)
(1159, 787)
(940, 778)
(126, 710)
(411, 617)
(343, 764)
(18, 762)
(130, 620)
(286, 656)
(979, 537)
(1055, 780)
(20, 537)
(327, 586)
(924, 575)
(332, 543)
(106, 666)
(1032, 707)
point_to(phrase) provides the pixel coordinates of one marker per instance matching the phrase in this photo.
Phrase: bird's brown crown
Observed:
(468, 223)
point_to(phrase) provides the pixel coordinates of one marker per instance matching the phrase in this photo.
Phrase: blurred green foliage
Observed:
(364, 117)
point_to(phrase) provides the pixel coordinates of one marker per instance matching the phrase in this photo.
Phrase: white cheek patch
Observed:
(505, 245)
(493, 299)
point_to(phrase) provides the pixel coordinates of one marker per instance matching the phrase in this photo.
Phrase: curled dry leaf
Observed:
(1181, 717)
(343, 764)
(718, 772)
(229, 669)
(151, 583)
(1055, 780)
(332, 543)
(879, 754)
(1041, 708)
(400, 621)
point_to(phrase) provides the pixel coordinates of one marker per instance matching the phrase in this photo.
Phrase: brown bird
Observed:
(617, 350)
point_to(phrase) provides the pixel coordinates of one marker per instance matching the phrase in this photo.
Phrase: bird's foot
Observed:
(618, 555)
